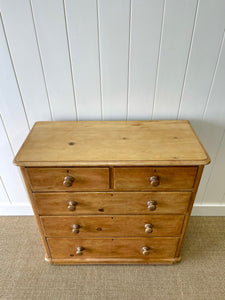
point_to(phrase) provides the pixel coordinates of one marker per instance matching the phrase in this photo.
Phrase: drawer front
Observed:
(68, 179)
(112, 203)
(155, 178)
(103, 226)
(80, 249)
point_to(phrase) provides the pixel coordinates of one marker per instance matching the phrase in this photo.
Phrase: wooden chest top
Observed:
(118, 143)
(112, 191)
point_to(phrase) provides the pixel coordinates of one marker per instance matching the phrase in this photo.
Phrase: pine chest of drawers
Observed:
(116, 192)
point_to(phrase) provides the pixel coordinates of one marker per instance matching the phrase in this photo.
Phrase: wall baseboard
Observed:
(208, 210)
(24, 209)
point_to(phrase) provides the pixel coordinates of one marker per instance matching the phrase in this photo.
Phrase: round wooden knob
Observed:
(145, 250)
(76, 228)
(152, 205)
(68, 180)
(79, 250)
(148, 228)
(72, 205)
(154, 180)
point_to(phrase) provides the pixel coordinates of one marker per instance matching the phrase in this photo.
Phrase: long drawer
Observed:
(142, 248)
(68, 179)
(112, 203)
(157, 178)
(103, 226)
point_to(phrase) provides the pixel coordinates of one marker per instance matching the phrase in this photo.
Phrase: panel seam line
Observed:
(99, 59)
(188, 60)
(70, 59)
(40, 58)
(14, 71)
(158, 59)
(128, 64)
(214, 75)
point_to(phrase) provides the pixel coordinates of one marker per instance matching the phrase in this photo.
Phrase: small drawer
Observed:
(121, 248)
(68, 179)
(106, 226)
(158, 178)
(108, 203)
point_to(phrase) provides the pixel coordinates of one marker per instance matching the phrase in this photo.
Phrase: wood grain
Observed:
(98, 249)
(123, 213)
(101, 143)
(51, 179)
(112, 203)
(105, 226)
(169, 178)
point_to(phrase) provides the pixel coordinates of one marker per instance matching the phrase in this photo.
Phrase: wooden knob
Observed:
(79, 250)
(145, 250)
(154, 180)
(72, 205)
(76, 228)
(68, 180)
(152, 205)
(148, 228)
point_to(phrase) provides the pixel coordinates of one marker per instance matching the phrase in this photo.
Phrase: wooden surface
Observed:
(101, 202)
(112, 203)
(169, 178)
(120, 248)
(100, 143)
(51, 179)
(110, 226)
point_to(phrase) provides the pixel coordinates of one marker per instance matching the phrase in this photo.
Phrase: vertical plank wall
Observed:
(112, 60)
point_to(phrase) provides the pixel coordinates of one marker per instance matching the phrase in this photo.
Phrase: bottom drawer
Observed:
(120, 249)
